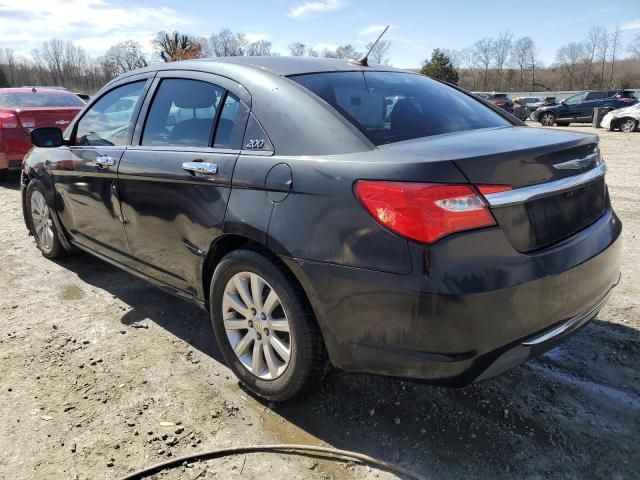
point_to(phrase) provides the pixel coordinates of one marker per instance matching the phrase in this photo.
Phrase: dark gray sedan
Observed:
(326, 212)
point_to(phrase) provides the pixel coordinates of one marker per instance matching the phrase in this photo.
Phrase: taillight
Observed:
(424, 212)
(627, 100)
(498, 103)
(8, 120)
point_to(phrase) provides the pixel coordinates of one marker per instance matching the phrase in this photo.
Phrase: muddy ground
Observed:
(93, 361)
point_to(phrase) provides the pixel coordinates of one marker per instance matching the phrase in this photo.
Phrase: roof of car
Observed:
(282, 65)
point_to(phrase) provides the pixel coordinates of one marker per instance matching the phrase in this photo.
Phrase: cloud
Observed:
(314, 7)
(631, 25)
(369, 29)
(102, 23)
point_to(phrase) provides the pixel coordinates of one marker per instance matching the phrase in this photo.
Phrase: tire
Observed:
(563, 124)
(628, 125)
(547, 119)
(261, 340)
(3, 174)
(41, 224)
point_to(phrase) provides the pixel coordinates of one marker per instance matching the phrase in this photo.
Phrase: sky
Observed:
(417, 26)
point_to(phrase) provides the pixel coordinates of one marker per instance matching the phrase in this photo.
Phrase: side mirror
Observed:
(47, 137)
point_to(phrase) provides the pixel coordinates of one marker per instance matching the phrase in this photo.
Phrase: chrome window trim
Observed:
(541, 190)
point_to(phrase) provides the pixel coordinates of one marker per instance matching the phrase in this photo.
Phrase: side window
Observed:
(595, 95)
(255, 138)
(575, 99)
(106, 123)
(182, 113)
(231, 123)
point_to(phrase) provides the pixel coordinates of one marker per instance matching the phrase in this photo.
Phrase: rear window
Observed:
(390, 107)
(39, 99)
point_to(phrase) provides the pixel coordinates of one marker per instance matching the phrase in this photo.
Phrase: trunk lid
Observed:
(521, 157)
(37, 117)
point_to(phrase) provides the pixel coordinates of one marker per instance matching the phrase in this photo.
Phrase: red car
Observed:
(22, 110)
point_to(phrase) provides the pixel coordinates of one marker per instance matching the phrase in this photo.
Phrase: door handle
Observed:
(202, 168)
(104, 161)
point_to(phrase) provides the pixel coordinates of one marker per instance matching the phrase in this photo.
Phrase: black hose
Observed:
(281, 448)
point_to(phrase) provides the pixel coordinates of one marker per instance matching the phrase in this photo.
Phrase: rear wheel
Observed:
(628, 125)
(547, 119)
(264, 327)
(41, 223)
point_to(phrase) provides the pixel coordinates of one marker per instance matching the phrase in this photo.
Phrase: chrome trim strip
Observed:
(526, 194)
(587, 314)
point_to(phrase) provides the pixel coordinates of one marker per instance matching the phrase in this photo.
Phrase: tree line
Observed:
(500, 63)
(509, 63)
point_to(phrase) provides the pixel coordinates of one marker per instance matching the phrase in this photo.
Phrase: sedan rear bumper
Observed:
(14, 145)
(403, 325)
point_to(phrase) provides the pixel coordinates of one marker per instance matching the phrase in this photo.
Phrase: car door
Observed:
(570, 109)
(175, 179)
(85, 172)
(592, 100)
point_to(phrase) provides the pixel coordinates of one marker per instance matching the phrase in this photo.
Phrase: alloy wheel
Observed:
(257, 325)
(547, 120)
(628, 126)
(41, 219)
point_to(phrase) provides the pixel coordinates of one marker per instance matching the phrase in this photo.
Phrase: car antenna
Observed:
(364, 61)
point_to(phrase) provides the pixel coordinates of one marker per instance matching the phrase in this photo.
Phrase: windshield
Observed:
(391, 107)
(39, 99)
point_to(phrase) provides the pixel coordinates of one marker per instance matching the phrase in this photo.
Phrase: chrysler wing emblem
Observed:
(62, 122)
(576, 164)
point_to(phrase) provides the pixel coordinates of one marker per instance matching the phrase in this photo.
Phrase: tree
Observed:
(532, 62)
(468, 58)
(228, 44)
(4, 81)
(259, 48)
(440, 67)
(602, 50)
(590, 47)
(501, 52)
(615, 42)
(124, 57)
(483, 50)
(520, 56)
(568, 56)
(347, 51)
(297, 49)
(379, 52)
(312, 53)
(634, 47)
(175, 46)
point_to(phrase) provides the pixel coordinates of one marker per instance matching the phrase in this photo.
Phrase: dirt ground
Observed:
(102, 374)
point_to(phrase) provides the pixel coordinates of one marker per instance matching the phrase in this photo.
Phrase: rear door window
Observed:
(182, 113)
(595, 95)
(231, 123)
(394, 106)
(107, 122)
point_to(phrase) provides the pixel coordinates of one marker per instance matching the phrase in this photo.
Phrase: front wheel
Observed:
(41, 223)
(628, 125)
(264, 326)
(547, 119)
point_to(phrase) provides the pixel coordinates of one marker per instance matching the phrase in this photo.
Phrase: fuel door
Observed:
(278, 182)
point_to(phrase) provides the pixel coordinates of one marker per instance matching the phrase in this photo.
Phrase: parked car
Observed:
(623, 119)
(22, 110)
(520, 109)
(500, 100)
(579, 108)
(529, 102)
(445, 241)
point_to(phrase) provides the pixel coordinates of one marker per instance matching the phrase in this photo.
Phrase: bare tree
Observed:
(124, 57)
(615, 43)
(532, 61)
(297, 49)
(259, 48)
(520, 56)
(501, 52)
(175, 46)
(602, 51)
(468, 58)
(483, 50)
(634, 47)
(380, 52)
(568, 56)
(312, 53)
(53, 57)
(228, 44)
(590, 47)
(8, 58)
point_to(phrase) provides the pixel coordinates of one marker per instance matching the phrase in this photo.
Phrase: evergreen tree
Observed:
(440, 67)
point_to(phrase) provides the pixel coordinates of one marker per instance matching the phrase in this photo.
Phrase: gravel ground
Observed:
(102, 374)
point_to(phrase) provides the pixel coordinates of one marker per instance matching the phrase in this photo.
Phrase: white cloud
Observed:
(314, 7)
(631, 25)
(94, 25)
(368, 30)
